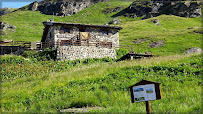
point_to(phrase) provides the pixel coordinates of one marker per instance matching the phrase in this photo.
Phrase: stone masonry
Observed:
(83, 52)
(100, 40)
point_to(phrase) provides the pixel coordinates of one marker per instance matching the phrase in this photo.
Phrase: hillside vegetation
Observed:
(176, 32)
(106, 85)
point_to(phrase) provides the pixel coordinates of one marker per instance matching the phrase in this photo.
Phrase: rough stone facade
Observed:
(80, 41)
(83, 52)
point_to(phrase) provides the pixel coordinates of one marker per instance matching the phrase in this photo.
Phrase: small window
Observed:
(66, 30)
(106, 44)
(65, 42)
(105, 33)
(87, 30)
(82, 30)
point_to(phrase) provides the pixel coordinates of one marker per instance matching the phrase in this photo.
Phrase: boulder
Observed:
(115, 21)
(194, 50)
(156, 44)
(5, 26)
(33, 6)
(156, 21)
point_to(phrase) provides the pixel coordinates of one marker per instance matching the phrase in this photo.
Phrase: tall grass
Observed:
(15, 67)
(106, 85)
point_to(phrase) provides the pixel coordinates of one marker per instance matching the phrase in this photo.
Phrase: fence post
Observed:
(148, 110)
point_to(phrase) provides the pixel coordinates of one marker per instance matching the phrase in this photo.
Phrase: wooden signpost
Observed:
(145, 91)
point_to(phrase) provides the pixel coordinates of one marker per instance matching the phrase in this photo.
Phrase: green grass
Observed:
(173, 31)
(106, 85)
(32, 28)
(15, 67)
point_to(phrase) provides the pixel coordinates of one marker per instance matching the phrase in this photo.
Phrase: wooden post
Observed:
(148, 110)
(138, 48)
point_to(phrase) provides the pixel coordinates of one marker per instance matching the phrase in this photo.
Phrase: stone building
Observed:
(79, 41)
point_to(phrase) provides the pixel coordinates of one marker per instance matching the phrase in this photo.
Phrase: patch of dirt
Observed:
(141, 40)
(80, 110)
(110, 10)
(156, 44)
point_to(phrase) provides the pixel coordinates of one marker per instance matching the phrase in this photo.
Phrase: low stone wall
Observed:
(83, 52)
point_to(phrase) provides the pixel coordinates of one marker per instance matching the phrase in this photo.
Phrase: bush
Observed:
(47, 54)
(121, 52)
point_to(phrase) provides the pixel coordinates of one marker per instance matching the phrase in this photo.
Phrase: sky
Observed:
(15, 3)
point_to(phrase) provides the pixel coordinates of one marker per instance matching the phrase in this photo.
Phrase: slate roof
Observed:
(51, 23)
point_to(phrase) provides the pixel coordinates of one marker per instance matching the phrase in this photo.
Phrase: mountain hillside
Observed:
(173, 34)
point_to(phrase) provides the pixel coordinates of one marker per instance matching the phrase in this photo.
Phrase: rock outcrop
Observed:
(4, 11)
(156, 21)
(156, 44)
(5, 26)
(194, 50)
(115, 21)
(148, 9)
(62, 8)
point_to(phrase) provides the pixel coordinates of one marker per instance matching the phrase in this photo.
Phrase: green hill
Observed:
(176, 32)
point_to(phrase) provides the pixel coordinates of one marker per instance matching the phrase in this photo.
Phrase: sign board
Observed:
(145, 91)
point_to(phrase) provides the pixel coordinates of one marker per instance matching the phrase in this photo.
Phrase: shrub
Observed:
(120, 52)
(47, 54)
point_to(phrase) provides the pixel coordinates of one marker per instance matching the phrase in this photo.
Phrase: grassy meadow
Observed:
(106, 85)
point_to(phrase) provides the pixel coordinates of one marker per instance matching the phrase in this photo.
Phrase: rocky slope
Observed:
(62, 8)
(4, 11)
(6, 26)
(151, 9)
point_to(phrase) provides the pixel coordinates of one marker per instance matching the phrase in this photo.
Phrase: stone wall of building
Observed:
(70, 45)
(95, 35)
(83, 52)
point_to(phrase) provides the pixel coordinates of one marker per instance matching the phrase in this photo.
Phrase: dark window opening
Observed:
(105, 32)
(106, 44)
(65, 30)
(65, 42)
(87, 30)
(82, 30)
